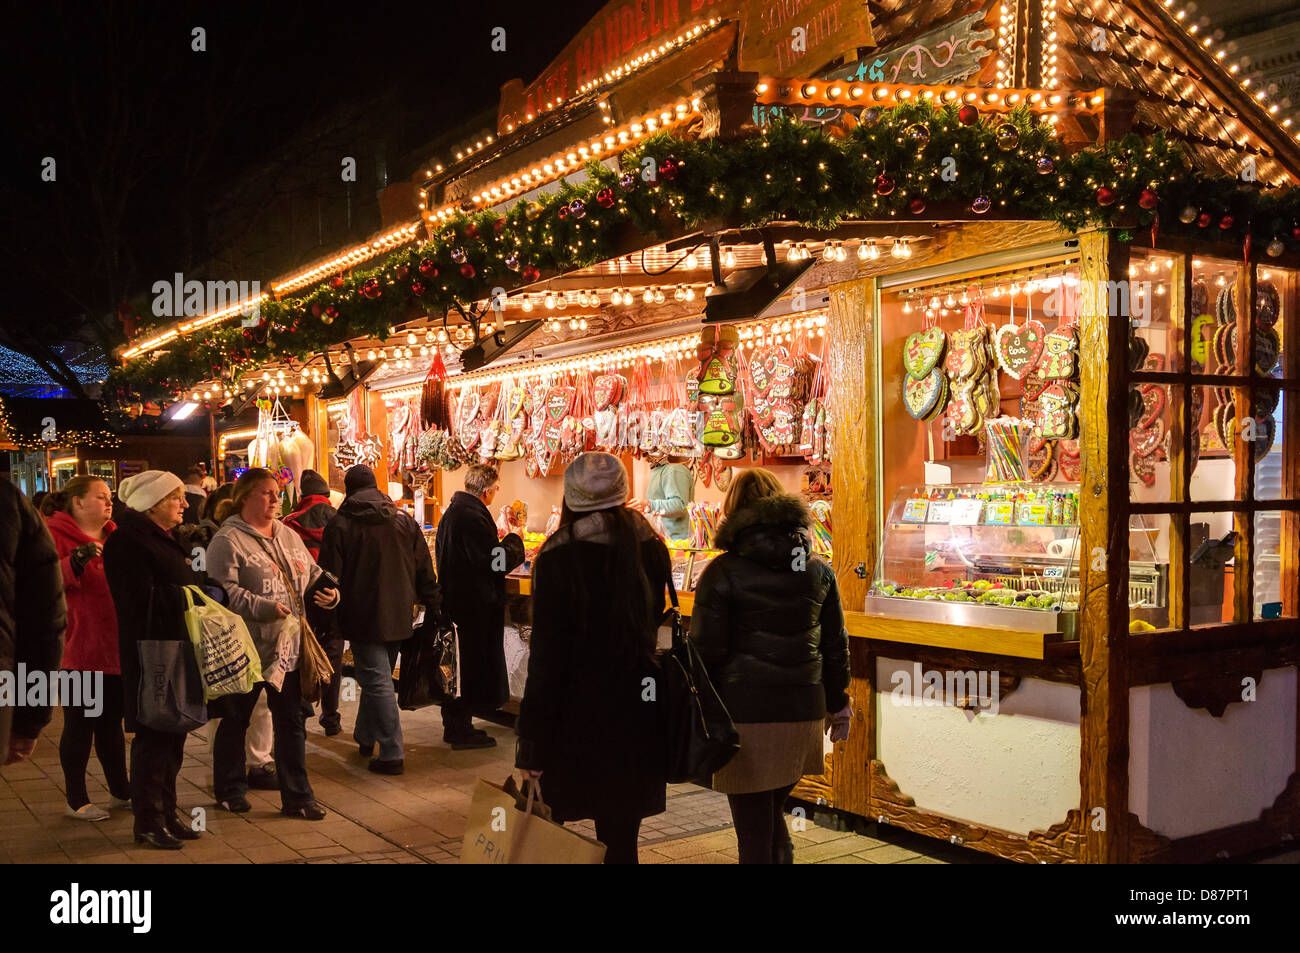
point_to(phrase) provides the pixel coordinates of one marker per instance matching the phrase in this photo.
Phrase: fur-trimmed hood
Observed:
(767, 531)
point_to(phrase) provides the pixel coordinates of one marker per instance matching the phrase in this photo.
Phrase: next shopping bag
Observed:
(505, 829)
(227, 658)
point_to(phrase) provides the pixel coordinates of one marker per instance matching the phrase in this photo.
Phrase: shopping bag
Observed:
(502, 830)
(170, 698)
(429, 671)
(228, 662)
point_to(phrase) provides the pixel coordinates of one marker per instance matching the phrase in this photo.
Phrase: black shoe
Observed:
(380, 766)
(158, 839)
(180, 829)
(366, 751)
(311, 811)
(331, 728)
(472, 740)
(235, 804)
(263, 778)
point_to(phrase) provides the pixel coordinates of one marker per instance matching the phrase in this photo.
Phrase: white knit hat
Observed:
(143, 491)
(595, 481)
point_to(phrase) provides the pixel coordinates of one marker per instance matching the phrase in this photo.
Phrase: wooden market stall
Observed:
(1063, 468)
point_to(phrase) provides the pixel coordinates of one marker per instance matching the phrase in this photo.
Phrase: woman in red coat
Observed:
(80, 525)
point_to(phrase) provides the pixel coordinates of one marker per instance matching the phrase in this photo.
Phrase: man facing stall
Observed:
(472, 565)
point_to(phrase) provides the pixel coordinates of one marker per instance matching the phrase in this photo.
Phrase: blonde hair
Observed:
(244, 487)
(750, 485)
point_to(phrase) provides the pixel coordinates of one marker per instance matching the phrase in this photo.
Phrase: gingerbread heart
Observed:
(965, 355)
(922, 352)
(1226, 305)
(1042, 460)
(988, 398)
(1153, 404)
(559, 403)
(1019, 348)
(962, 411)
(1071, 468)
(1225, 422)
(1268, 304)
(1144, 469)
(1203, 329)
(1148, 440)
(922, 397)
(1268, 350)
(1060, 354)
(608, 390)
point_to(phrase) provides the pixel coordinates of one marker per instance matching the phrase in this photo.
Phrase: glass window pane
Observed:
(1152, 343)
(1210, 553)
(1152, 410)
(1213, 311)
(1148, 572)
(1272, 601)
(1214, 469)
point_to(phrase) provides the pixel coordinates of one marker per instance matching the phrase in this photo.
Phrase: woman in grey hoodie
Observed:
(267, 573)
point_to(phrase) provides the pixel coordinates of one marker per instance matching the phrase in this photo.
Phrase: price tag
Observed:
(941, 511)
(1000, 513)
(915, 510)
(966, 512)
(1053, 572)
(1032, 514)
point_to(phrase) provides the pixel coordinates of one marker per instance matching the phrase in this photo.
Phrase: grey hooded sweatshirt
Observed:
(244, 563)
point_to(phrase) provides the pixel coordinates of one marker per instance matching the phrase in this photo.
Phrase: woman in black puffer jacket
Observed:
(768, 625)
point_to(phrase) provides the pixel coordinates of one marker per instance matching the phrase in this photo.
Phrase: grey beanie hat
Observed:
(595, 481)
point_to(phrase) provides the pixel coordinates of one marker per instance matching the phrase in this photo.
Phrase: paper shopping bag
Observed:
(501, 831)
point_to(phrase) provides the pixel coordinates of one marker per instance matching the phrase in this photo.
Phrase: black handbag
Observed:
(430, 667)
(701, 737)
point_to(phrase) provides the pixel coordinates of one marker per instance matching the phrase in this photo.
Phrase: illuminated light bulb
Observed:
(1160, 289)
(692, 261)
(194, 396)
(864, 252)
(950, 301)
(1151, 266)
(679, 294)
(690, 293)
(266, 375)
(659, 296)
(549, 301)
(424, 350)
(729, 259)
(828, 253)
(527, 304)
(582, 324)
(648, 296)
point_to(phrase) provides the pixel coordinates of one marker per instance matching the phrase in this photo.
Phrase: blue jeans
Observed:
(377, 716)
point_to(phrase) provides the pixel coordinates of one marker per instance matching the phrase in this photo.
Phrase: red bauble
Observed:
(1106, 195)
(332, 312)
(1204, 219)
(669, 168)
(471, 230)
(884, 184)
(1148, 199)
(370, 289)
(916, 206)
(336, 281)
(417, 287)
(530, 274)
(1295, 233)
(563, 211)
(1226, 222)
(605, 197)
(427, 267)
(467, 270)
(968, 115)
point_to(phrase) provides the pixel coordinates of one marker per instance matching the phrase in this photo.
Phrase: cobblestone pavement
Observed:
(418, 817)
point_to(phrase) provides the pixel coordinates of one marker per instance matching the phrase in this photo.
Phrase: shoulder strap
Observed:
(294, 596)
(672, 588)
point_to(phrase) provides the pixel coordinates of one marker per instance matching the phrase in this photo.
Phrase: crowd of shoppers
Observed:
(766, 623)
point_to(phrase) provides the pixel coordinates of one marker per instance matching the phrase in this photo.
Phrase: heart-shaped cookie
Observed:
(608, 390)
(1018, 348)
(1225, 423)
(1203, 328)
(966, 353)
(1153, 404)
(1226, 305)
(923, 397)
(1268, 350)
(559, 403)
(988, 398)
(1144, 468)
(1042, 460)
(922, 352)
(1268, 304)
(1148, 440)
(962, 411)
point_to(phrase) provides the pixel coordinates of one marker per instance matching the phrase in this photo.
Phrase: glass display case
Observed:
(991, 555)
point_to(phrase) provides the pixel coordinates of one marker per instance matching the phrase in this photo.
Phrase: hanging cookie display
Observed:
(1056, 416)
(923, 350)
(1069, 460)
(1042, 460)
(972, 378)
(1060, 353)
(1018, 348)
(924, 398)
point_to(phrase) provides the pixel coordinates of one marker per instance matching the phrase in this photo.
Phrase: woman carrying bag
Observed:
(590, 719)
(146, 570)
(269, 576)
(768, 625)
(80, 525)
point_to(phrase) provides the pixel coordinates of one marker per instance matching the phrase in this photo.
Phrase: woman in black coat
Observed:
(769, 628)
(589, 725)
(146, 568)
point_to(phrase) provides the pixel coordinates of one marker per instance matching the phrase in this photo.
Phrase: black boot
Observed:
(179, 828)
(158, 838)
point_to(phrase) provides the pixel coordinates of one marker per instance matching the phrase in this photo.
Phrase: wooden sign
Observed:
(786, 37)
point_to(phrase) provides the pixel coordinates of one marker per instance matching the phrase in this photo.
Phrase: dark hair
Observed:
(194, 472)
(74, 489)
(244, 486)
(628, 590)
(214, 501)
(39, 497)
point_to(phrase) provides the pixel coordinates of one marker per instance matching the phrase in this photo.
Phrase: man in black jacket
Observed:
(472, 564)
(31, 625)
(384, 570)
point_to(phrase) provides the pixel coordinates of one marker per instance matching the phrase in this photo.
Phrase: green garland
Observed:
(887, 164)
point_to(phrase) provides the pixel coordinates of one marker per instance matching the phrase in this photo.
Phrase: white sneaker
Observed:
(119, 802)
(87, 812)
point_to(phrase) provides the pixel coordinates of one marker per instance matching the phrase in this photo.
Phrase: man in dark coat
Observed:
(31, 624)
(472, 564)
(384, 570)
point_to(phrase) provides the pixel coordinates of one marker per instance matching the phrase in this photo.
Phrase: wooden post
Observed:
(1104, 497)
(855, 422)
(1182, 430)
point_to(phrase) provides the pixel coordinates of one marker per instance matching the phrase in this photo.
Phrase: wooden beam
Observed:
(1243, 453)
(1104, 498)
(1181, 429)
(941, 635)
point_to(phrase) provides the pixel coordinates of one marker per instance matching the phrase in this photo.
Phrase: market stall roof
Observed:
(33, 423)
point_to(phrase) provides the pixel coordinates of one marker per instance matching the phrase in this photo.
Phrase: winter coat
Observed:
(672, 487)
(195, 498)
(91, 641)
(585, 720)
(767, 618)
(472, 566)
(383, 565)
(146, 568)
(32, 611)
(309, 520)
(246, 564)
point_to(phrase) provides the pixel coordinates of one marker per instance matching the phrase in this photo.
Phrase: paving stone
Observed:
(889, 854)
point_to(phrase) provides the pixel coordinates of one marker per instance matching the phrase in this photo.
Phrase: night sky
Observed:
(144, 130)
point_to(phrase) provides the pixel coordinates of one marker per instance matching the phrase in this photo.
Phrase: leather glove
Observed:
(82, 555)
(840, 722)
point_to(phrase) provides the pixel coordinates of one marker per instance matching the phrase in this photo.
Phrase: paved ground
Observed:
(418, 817)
